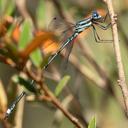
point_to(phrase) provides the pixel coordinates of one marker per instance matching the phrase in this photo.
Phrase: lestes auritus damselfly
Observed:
(79, 27)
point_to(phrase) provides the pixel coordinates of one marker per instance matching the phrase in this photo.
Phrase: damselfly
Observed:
(13, 105)
(80, 26)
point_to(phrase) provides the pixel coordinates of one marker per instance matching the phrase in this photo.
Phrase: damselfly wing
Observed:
(94, 20)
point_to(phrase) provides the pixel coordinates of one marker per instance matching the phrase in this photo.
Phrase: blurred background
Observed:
(86, 84)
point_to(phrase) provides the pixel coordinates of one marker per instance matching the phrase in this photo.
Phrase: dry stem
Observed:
(121, 74)
(55, 101)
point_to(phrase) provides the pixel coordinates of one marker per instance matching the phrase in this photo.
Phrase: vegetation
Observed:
(86, 89)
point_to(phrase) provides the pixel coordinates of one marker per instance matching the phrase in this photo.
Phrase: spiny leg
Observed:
(98, 23)
(97, 37)
(107, 14)
(102, 26)
(105, 17)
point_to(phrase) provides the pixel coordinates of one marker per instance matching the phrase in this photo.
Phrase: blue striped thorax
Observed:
(86, 23)
(82, 25)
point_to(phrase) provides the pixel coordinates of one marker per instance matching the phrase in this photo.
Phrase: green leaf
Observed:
(92, 123)
(36, 57)
(11, 29)
(61, 85)
(26, 34)
(26, 83)
(10, 7)
(1, 7)
(6, 8)
(11, 51)
(41, 15)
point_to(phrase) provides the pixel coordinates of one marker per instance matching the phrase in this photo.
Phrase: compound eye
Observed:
(95, 14)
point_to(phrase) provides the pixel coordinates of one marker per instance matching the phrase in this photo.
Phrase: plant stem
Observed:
(122, 81)
(56, 102)
(51, 98)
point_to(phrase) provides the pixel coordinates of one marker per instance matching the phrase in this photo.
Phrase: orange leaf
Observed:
(50, 46)
(16, 33)
(43, 40)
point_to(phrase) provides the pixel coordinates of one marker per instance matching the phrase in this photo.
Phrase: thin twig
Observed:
(19, 112)
(122, 81)
(107, 82)
(55, 101)
(86, 72)
(58, 7)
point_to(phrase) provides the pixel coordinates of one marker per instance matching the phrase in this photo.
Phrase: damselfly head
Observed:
(96, 15)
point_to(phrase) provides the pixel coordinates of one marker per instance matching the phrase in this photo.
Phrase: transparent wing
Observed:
(66, 56)
(64, 30)
(60, 26)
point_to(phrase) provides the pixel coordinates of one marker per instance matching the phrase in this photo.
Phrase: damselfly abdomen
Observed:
(13, 105)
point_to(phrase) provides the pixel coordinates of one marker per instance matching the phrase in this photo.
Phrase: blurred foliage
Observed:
(91, 74)
(92, 123)
(61, 85)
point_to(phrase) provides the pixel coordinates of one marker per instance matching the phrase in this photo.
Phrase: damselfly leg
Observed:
(102, 26)
(97, 37)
